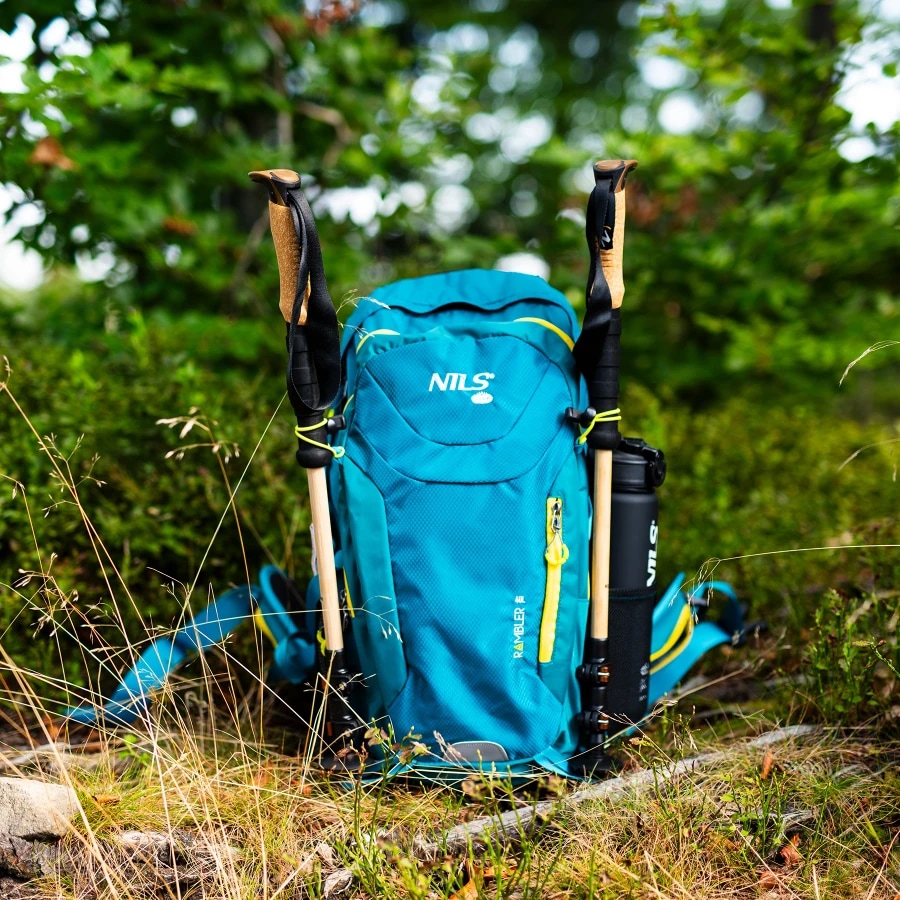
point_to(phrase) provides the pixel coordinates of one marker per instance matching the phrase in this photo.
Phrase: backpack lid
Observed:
(486, 289)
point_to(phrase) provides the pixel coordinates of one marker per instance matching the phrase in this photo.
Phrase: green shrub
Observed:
(854, 657)
(86, 460)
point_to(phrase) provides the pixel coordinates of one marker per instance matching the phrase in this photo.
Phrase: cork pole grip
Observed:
(287, 244)
(287, 249)
(611, 260)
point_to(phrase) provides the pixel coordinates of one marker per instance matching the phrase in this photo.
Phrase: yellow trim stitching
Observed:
(350, 609)
(674, 655)
(684, 625)
(263, 626)
(369, 334)
(554, 328)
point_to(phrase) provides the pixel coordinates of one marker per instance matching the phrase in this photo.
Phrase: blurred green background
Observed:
(761, 260)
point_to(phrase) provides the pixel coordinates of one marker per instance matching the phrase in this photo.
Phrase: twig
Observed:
(334, 118)
(513, 824)
(86, 755)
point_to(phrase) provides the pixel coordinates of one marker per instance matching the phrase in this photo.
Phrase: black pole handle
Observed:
(603, 388)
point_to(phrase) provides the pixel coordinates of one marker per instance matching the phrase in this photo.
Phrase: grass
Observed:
(808, 820)
(817, 816)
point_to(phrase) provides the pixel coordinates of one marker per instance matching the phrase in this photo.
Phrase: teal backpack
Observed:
(459, 480)
(463, 510)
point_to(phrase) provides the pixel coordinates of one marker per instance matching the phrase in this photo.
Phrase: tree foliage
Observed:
(434, 137)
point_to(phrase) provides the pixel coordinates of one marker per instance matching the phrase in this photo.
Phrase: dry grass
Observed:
(817, 816)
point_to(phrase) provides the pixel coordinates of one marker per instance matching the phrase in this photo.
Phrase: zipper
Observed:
(556, 555)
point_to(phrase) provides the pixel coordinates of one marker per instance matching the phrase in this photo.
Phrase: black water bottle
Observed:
(638, 470)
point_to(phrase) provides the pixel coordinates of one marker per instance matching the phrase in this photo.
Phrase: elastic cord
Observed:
(337, 452)
(610, 415)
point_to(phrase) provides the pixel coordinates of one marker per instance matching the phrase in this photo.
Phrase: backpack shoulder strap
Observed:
(679, 640)
(162, 656)
(294, 657)
(282, 615)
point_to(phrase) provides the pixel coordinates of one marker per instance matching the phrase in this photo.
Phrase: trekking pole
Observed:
(313, 382)
(597, 357)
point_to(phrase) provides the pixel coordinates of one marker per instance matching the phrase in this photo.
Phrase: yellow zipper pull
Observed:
(556, 555)
(557, 552)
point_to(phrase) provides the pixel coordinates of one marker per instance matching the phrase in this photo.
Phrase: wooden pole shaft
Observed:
(321, 518)
(600, 544)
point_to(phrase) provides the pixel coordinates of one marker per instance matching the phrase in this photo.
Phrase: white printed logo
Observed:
(519, 628)
(651, 556)
(457, 381)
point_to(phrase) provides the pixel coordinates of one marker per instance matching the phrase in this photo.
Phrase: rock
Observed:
(29, 859)
(325, 853)
(337, 882)
(35, 810)
(145, 840)
(12, 889)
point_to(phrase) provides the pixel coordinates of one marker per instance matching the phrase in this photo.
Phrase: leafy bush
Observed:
(438, 137)
(854, 657)
(118, 514)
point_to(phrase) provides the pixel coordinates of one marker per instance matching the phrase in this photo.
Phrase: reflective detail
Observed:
(475, 751)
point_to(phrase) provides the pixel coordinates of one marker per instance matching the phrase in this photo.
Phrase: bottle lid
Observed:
(637, 466)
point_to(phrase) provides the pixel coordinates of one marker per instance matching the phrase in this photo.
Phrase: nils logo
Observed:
(458, 381)
(651, 555)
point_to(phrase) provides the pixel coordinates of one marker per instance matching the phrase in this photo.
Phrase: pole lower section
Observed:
(321, 518)
(335, 678)
(593, 675)
(593, 720)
